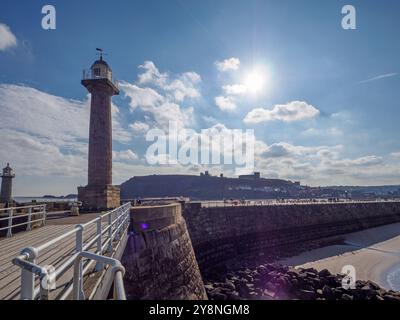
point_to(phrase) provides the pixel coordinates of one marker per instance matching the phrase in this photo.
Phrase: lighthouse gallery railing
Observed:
(87, 74)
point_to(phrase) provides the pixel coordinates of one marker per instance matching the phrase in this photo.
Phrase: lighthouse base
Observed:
(98, 198)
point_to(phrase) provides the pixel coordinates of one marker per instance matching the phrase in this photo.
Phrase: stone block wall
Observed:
(159, 258)
(95, 198)
(221, 234)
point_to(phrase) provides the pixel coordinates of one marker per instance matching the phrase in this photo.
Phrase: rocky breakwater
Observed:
(278, 282)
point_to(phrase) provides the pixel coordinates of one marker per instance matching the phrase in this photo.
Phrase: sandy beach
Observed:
(375, 254)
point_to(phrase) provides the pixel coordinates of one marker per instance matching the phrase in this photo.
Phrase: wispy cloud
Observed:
(382, 76)
(182, 86)
(225, 103)
(292, 111)
(228, 64)
(162, 102)
(7, 38)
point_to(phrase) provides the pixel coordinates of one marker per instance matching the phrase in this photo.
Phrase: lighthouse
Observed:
(100, 194)
(6, 185)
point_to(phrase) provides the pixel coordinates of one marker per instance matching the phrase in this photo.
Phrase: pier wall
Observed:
(159, 259)
(223, 233)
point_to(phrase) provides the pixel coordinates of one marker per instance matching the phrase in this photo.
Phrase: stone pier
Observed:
(159, 259)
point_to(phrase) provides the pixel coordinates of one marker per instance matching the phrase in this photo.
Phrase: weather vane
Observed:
(101, 53)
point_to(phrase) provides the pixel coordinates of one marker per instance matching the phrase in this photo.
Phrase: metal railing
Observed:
(88, 74)
(104, 242)
(38, 212)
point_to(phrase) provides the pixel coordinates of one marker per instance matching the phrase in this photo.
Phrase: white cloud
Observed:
(120, 134)
(185, 86)
(284, 149)
(44, 135)
(395, 155)
(182, 86)
(292, 111)
(140, 97)
(228, 64)
(151, 74)
(36, 156)
(235, 89)
(210, 120)
(170, 111)
(161, 105)
(40, 114)
(125, 155)
(359, 162)
(323, 165)
(7, 38)
(139, 127)
(160, 108)
(225, 103)
(332, 131)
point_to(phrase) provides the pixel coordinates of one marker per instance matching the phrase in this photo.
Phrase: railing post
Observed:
(99, 265)
(27, 277)
(78, 293)
(123, 212)
(28, 226)
(119, 292)
(110, 232)
(10, 220)
(128, 217)
(44, 215)
(118, 225)
(121, 219)
(47, 282)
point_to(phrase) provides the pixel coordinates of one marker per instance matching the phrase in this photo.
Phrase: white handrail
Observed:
(117, 270)
(118, 222)
(12, 214)
(24, 207)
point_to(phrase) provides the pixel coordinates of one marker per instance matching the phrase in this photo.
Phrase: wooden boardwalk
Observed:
(54, 255)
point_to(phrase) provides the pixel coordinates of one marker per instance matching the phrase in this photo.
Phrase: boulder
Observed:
(219, 296)
(307, 295)
(328, 293)
(229, 285)
(324, 273)
(389, 297)
(346, 296)
(373, 285)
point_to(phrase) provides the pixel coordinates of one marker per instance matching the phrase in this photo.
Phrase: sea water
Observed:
(393, 278)
(41, 199)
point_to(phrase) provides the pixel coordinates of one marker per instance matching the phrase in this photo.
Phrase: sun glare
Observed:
(254, 82)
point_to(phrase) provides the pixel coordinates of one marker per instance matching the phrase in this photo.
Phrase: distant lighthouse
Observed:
(100, 194)
(6, 185)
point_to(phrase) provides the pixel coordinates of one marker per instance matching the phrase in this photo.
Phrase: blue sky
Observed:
(343, 85)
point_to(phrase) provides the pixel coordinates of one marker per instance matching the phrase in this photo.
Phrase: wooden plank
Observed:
(56, 255)
(34, 239)
(11, 280)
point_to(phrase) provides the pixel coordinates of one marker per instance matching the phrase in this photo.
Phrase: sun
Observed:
(254, 82)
